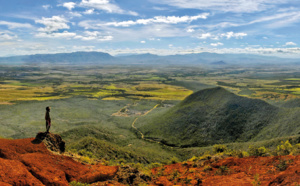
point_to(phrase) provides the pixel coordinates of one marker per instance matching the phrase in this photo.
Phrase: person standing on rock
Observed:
(48, 119)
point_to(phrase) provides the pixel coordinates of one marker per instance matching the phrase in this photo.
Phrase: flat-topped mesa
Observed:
(52, 141)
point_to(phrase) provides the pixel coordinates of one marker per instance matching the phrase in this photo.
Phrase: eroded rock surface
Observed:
(29, 162)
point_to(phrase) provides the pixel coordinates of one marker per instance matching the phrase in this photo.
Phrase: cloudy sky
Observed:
(270, 27)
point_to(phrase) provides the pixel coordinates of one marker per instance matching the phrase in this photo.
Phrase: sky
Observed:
(163, 27)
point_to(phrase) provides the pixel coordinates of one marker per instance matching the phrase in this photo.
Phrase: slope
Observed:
(29, 162)
(208, 117)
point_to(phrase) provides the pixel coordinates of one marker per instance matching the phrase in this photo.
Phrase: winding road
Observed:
(142, 135)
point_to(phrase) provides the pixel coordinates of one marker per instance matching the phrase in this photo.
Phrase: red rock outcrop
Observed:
(29, 162)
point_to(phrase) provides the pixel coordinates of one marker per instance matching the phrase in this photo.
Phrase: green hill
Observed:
(215, 115)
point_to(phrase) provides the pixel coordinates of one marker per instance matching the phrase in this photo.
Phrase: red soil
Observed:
(236, 171)
(24, 162)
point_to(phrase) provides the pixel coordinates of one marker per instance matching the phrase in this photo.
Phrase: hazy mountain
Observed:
(218, 63)
(145, 59)
(215, 115)
(62, 58)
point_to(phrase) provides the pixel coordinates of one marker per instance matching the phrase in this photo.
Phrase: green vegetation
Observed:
(212, 116)
(282, 165)
(93, 108)
(75, 183)
(256, 181)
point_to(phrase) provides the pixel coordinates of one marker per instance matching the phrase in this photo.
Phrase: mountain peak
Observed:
(217, 94)
(211, 116)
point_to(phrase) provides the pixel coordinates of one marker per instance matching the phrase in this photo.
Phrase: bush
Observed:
(219, 148)
(283, 165)
(205, 157)
(154, 165)
(207, 168)
(285, 148)
(174, 160)
(296, 149)
(254, 151)
(85, 159)
(256, 181)
(194, 158)
(75, 183)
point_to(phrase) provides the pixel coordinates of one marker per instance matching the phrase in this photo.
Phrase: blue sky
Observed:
(150, 26)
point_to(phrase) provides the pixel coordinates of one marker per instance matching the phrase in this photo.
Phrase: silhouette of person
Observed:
(48, 119)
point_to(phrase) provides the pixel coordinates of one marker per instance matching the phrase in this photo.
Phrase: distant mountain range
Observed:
(215, 115)
(205, 58)
(61, 58)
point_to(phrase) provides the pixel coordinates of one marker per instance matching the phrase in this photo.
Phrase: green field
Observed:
(93, 107)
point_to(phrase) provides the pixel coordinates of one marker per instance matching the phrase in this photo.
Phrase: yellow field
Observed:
(10, 93)
(150, 90)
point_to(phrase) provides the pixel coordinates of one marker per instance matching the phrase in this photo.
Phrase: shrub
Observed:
(261, 151)
(241, 154)
(296, 149)
(154, 165)
(84, 152)
(282, 165)
(207, 168)
(219, 148)
(174, 160)
(285, 148)
(205, 157)
(75, 183)
(194, 158)
(256, 181)
(85, 159)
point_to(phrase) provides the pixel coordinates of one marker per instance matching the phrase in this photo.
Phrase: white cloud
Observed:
(154, 39)
(52, 24)
(216, 44)
(224, 5)
(272, 21)
(46, 7)
(69, 5)
(137, 33)
(13, 25)
(190, 30)
(158, 19)
(89, 11)
(64, 34)
(290, 44)
(94, 36)
(7, 36)
(229, 35)
(205, 36)
(143, 42)
(83, 48)
(159, 8)
(106, 6)
(75, 14)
